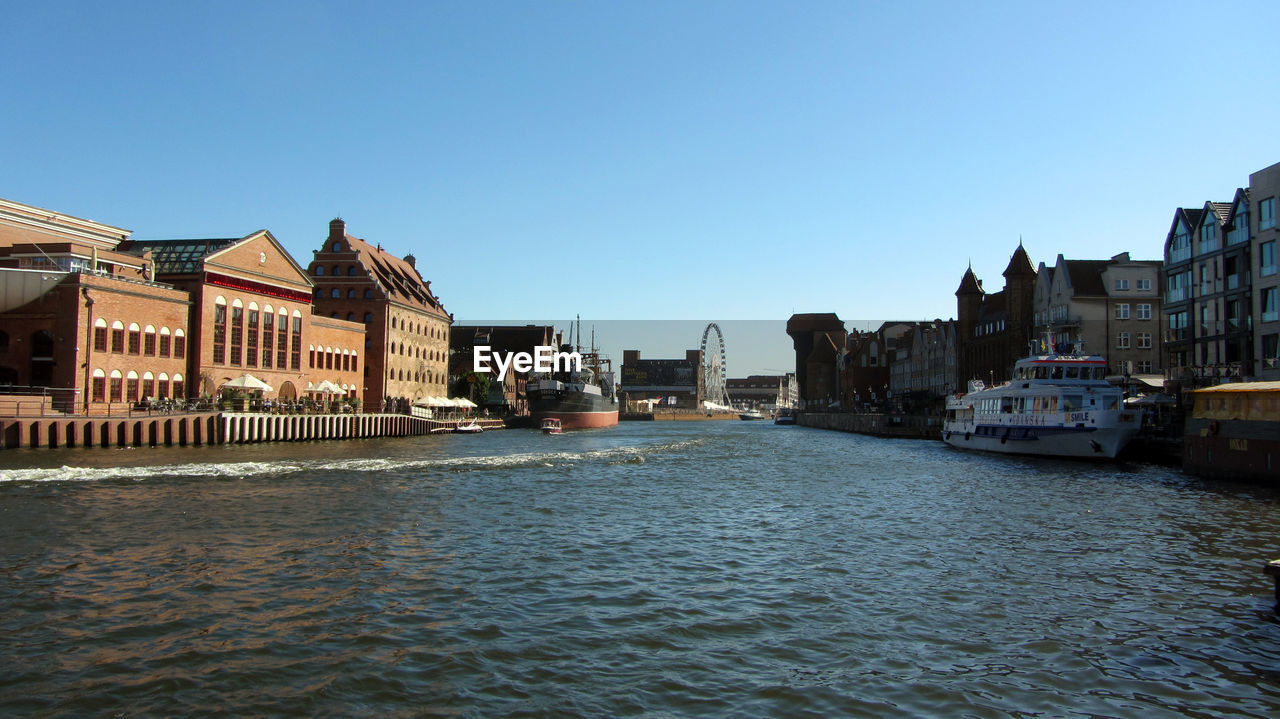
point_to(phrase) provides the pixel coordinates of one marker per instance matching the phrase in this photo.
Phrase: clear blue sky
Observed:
(678, 160)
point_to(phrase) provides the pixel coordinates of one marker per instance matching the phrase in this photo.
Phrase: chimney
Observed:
(413, 261)
(337, 229)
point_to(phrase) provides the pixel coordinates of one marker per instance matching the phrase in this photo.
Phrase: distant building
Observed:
(508, 396)
(673, 383)
(757, 390)
(406, 326)
(1112, 306)
(819, 340)
(993, 330)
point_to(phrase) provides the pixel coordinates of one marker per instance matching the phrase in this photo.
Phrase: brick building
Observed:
(406, 326)
(818, 339)
(994, 330)
(81, 321)
(675, 383)
(250, 313)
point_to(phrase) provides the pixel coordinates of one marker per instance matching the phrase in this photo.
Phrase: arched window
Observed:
(351, 271)
(117, 386)
(100, 335)
(368, 294)
(131, 387)
(251, 339)
(336, 247)
(99, 386)
(336, 293)
(351, 317)
(237, 331)
(148, 385)
(318, 271)
(220, 330)
(135, 338)
(336, 271)
(166, 342)
(368, 317)
(162, 386)
(351, 294)
(295, 354)
(149, 341)
(282, 338)
(117, 337)
(179, 388)
(354, 362)
(179, 344)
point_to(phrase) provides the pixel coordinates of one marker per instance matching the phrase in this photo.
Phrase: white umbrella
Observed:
(327, 386)
(462, 402)
(248, 381)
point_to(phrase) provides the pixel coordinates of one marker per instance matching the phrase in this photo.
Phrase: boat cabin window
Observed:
(1073, 373)
(1072, 402)
(1099, 372)
(1006, 405)
(1055, 372)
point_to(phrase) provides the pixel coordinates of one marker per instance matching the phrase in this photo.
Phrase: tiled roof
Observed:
(399, 279)
(1222, 210)
(1086, 277)
(178, 257)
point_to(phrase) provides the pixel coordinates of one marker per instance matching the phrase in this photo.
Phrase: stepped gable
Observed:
(398, 277)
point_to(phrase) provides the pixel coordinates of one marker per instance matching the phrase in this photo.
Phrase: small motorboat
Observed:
(472, 428)
(551, 425)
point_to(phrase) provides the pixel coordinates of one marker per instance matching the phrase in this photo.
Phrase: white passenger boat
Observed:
(1057, 405)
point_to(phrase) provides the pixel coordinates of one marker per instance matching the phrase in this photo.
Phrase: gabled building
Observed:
(406, 326)
(1208, 302)
(1111, 306)
(993, 330)
(251, 313)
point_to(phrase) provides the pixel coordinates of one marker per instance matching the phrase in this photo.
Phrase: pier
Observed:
(47, 428)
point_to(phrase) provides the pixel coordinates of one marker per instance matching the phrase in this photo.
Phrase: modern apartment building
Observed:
(1264, 194)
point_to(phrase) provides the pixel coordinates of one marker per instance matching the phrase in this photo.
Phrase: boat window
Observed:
(1073, 373)
(1055, 372)
(1006, 405)
(1042, 373)
(1113, 403)
(1072, 402)
(1099, 372)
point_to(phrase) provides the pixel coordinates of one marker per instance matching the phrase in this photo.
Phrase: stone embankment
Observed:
(878, 425)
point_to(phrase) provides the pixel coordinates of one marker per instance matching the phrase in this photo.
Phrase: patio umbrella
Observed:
(248, 381)
(327, 386)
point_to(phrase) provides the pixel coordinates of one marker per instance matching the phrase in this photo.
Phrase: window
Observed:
(1271, 351)
(1122, 284)
(99, 386)
(335, 247)
(1267, 258)
(135, 339)
(1239, 231)
(295, 354)
(1180, 245)
(1269, 309)
(1144, 340)
(117, 386)
(1144, 366)
(100, 337)
(179, 389)
(282, 339)
(179, 347)
(251, 341)
(117, 337)
(268, 336)
(1122, 311)
(1144, 311)
(1122, 341)
(368, 294)
(335, 271)
(237, 332)
(148, 385)
(318, 271)
(1144, 285)
(351, 294)
(220, 332)
(368, 317)
(166, 342)
(351, 271)
(149, 342)
(1209, 233)
(1267, 214)
(336, 293)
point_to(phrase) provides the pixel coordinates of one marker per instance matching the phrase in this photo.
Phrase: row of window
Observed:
(1123, 340)
(330, 358)
(1143, 311)
(417, 377)
(1237, 233)
(132, 387)
(269, 340)
(1142, 285)
(137, 340)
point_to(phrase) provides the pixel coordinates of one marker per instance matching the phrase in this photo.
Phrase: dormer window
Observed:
(1209, 233)
(1239, 232)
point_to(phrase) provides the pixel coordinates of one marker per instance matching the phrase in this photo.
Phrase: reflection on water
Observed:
(691, 569)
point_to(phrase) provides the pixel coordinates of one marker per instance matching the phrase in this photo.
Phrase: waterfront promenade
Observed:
(37, 425)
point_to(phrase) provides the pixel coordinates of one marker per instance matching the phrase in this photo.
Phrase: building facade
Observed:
(406, 326)
(994, 330)
(818, 339)
(1261, 198)
(668, 383)
(1111, 307)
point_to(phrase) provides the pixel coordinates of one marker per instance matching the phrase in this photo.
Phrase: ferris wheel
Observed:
(713, 366)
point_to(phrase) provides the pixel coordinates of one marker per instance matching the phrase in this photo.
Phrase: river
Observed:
(708, 569)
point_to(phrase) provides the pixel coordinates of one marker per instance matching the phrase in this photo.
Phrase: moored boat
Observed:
(551, 425)
(1057, 405)
(581, 398)
(1233, 431)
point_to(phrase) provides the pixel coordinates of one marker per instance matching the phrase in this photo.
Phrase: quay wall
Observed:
(205, 428)
(878, 425)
